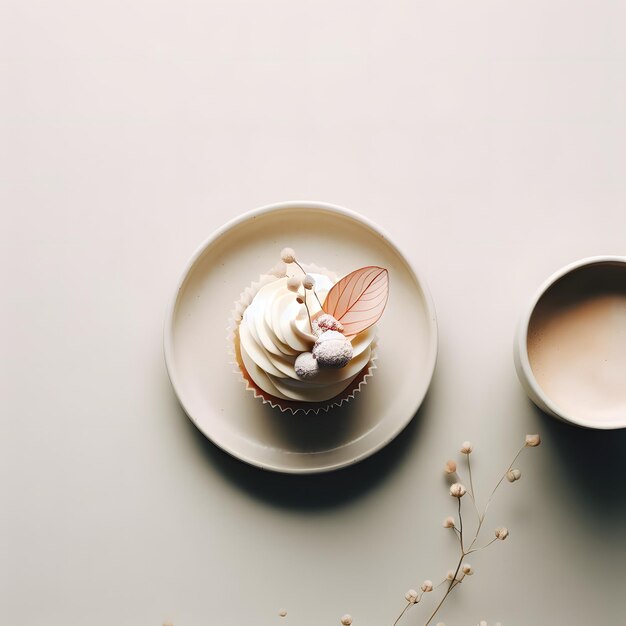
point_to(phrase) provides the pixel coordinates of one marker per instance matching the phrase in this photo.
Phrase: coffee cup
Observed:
(570, 347)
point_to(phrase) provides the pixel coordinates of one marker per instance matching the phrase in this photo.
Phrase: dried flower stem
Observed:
(306, 306)
(481, 518)
(501, 479)
(406, 608)
(452, 584)
(457, 490)
(318, 300)
(471, 484)
(482, 547)
(460, 531)
(313, 290)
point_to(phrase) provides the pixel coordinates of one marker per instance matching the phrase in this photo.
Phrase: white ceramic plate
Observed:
(215, 398)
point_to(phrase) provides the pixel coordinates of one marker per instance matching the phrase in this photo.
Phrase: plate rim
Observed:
(168, 328)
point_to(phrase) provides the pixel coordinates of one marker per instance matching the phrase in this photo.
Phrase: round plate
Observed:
(196, 350)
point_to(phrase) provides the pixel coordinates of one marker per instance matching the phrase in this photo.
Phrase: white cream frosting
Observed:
(275, 329)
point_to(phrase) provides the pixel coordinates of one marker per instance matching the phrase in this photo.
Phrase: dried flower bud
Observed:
(466, 447)
(467, 569)
(308, 282)
(346, 620)
(287, 255)
(293, 283)
(513, 474)
(532, 441)
(411, 596)
(450, 575)
(299, 300)
(282, 613)
(457, 490)
(449, 467)
(482, 623)
(448, 522)
(427, 586)
(502, 533)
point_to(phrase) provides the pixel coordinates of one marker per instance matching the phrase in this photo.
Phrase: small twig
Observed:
(471, 484)
(307, 311)
(453, 580)
(318, 300)
(452, 584)
(482, 517)
(502, 478)
(482, 547)
(447, 593)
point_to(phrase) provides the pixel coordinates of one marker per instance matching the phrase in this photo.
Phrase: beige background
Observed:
(489, 138)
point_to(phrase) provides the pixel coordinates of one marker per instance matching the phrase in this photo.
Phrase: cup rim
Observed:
(522, 342)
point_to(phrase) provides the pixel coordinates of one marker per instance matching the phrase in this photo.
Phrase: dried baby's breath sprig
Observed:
(467, 545)
(282, 612)
(457, 575)
(294, 283)
(288, 255)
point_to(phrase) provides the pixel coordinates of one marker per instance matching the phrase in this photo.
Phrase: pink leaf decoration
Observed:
(359, 299)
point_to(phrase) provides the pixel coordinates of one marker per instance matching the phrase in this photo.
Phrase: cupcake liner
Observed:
(236, 361)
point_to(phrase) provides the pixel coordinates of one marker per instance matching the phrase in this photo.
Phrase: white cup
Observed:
(534, 390)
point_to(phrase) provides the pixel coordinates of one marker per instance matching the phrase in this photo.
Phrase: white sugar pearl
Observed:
(332, 349)
(306, 366)
(328, 322)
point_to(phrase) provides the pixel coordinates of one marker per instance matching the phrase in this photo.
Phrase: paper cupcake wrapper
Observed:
(236, 361)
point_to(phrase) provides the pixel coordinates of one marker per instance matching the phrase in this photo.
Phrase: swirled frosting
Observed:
(275, 329)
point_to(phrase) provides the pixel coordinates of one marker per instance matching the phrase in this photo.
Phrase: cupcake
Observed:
(303, 340)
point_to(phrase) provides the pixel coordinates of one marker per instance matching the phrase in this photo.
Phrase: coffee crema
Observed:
(577, 343)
